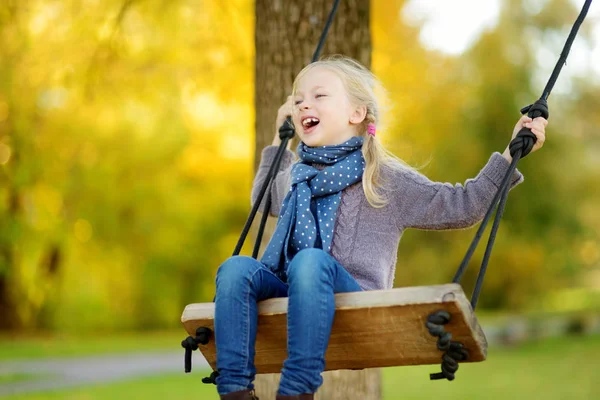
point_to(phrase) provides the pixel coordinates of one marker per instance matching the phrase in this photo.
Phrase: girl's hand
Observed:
(284, 111)
(537, 126)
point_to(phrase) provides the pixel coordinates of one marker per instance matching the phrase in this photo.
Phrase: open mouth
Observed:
(309, 124)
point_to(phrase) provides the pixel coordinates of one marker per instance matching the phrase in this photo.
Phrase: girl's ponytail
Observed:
(372, 149)
(361, 86)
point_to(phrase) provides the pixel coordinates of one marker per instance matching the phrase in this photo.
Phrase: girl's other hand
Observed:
(284, 111)
(538, 128)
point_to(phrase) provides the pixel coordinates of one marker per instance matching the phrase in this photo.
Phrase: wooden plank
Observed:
(377, 328)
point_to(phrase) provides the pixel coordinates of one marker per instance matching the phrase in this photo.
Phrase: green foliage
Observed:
(120, 158)
(126, 138)
(453, 112)
(500, 377)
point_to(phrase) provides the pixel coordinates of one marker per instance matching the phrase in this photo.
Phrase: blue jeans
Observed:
(313, 277)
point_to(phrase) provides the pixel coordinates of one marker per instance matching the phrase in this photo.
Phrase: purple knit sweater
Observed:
(366, 239)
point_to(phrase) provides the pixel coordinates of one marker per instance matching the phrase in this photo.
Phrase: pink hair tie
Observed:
(371, 129)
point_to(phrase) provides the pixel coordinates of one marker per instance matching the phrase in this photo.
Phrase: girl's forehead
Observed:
(319, 77)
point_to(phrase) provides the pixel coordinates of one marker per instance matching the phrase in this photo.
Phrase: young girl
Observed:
(342, 210)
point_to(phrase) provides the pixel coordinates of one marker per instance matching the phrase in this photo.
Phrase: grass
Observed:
(559, 368)
(12, 378)
(26, 347)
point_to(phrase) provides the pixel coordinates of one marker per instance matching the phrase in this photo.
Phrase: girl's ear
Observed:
(359, 114)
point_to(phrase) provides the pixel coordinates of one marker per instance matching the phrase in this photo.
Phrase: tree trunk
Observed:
(286, 36)
(287, 33)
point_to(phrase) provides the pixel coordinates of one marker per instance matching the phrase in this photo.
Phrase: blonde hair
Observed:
(361, 85)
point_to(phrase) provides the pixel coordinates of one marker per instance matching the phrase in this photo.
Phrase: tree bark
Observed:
(286, 36)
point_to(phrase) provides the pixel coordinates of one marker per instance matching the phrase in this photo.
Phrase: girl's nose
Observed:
(305, 105)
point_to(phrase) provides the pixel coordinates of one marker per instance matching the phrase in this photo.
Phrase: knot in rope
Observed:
(525, 139)
(211, 379)
(190, 344)
(453, 351)
(286, 130)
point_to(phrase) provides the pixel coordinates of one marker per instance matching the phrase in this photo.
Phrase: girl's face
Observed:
(323, 114)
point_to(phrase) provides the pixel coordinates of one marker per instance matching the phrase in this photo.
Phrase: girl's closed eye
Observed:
(297, 102)
(320, 95)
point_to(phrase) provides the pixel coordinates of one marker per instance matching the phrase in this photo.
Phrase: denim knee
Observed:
(309, 266)
(236, 271)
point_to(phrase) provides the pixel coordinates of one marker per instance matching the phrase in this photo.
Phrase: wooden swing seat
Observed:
(378, 328)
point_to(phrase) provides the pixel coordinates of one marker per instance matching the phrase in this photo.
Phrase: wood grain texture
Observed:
(378, 328)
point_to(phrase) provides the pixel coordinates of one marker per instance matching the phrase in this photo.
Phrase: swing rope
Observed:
(286, 132)
(519, 147)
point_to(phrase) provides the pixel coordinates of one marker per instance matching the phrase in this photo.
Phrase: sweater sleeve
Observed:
(280, 186)
(423, 204)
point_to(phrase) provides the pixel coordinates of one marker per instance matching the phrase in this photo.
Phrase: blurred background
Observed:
(128, 139)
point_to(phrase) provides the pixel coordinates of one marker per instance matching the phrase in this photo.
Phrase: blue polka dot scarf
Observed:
(308, 213)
